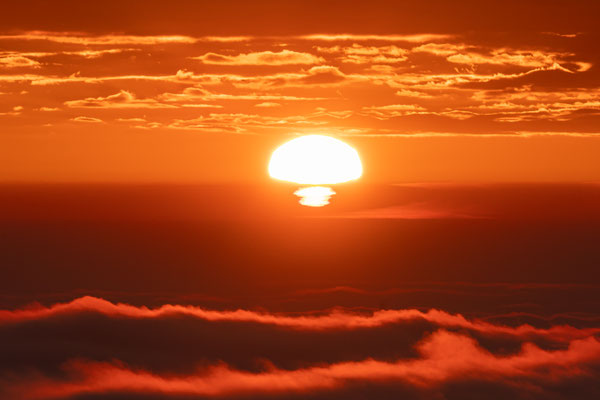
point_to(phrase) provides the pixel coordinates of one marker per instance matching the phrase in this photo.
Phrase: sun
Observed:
(315, 160)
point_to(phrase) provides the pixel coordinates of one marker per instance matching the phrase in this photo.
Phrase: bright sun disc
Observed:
(315, 160)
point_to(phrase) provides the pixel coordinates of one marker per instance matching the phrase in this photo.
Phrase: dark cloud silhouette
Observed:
(442, 358)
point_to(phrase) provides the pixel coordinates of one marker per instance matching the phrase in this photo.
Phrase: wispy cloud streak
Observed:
(330, 321)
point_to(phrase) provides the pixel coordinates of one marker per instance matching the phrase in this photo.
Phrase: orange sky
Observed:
(191, 92)
(146, 253)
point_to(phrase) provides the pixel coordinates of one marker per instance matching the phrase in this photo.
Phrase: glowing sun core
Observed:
(315, 160)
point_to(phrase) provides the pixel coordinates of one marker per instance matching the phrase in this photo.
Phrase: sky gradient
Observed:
(146, 254)
(199, 92)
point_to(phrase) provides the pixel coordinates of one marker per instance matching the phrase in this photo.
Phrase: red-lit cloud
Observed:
(444, 357)
(391, 84)
(284, 57)
(123, 99)
(89, 40)
(86, 119)
(337, 320)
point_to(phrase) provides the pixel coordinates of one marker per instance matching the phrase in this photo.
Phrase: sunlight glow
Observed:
(314, 196)
(315, 160)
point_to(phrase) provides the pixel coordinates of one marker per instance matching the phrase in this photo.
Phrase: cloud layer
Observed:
(221, 354)
(331, 321)
(383, 84)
